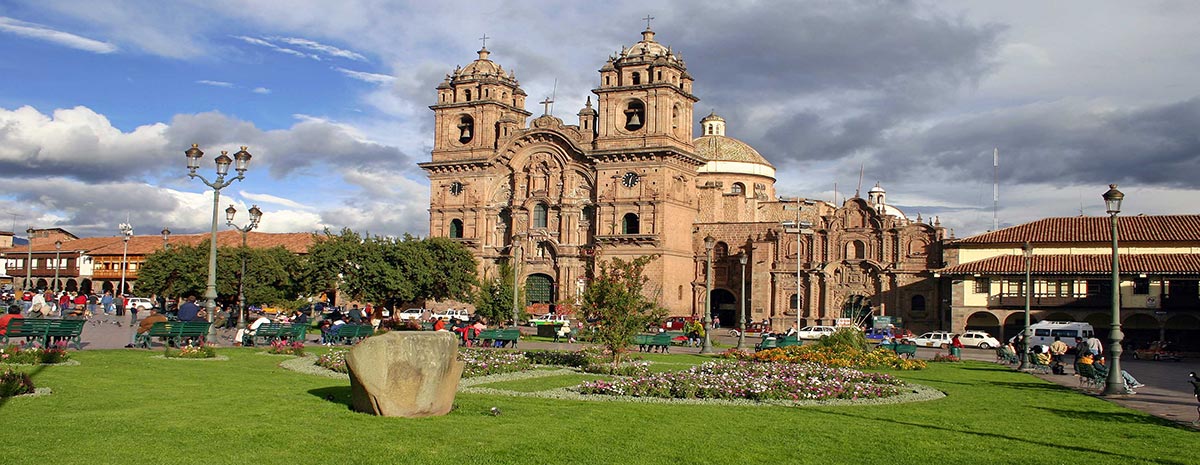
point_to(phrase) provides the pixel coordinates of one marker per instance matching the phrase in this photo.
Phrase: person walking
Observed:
(1195, 391)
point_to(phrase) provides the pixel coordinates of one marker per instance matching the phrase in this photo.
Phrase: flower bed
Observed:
(830, 356)
(191, 351)
(946, 358)
(334, 360)
(753, 381)
(482, 362)
(286, 348)
(16, 355)
(15, 383)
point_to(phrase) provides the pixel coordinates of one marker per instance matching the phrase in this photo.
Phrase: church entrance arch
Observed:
(857, 308)
(724, 306)
(984, 321)
(539, 289)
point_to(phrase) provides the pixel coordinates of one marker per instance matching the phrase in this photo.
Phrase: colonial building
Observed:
(1071, 269)
(631, 179)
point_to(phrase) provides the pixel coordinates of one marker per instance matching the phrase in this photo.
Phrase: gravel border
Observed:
(306, 354)
(305, 365)
(37, 392)
(219, 358)
(68, 363)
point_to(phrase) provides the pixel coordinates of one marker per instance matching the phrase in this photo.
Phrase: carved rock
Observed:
(405, 374)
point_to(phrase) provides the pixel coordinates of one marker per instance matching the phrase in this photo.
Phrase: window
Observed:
(659, 75)
(856, 250)
(456, 228)
(467, 93)
(1099, 288)
(1041, 332)
(1141, 285)
(630, 224)
(608, 80)
(637, 78)
(793, 301)
(539, 215)
(1013, 288)
(539, 288)
(1064, 333)
(983, 285)
(466, 129)
(721, 250)
(1059, 288)
(918, 303)
(739, 188)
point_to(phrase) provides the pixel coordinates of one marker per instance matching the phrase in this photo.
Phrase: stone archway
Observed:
(1184, 332)
(1140, 330)
(984, 321)
(724, 307)
(1013, 325)
(857, 307)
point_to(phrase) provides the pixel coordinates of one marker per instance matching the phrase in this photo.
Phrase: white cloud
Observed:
(66, 39)
(215, 83)
(261, 90)
(366, 77)
(268, 198)
(264, 43)
(323, 48)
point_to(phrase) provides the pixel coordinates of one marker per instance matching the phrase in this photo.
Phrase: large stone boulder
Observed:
(405, 373)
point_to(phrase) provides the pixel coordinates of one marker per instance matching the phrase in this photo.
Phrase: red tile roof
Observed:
(1099, 264)
(145, 245)
(1159, 228)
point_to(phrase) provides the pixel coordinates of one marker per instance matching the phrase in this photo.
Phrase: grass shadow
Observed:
(335, 394)
(1113, 417)
(1052, 387)
(32, 376)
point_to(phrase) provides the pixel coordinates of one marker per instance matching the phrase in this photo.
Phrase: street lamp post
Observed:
(223, 161)
(126, 233)
(742, 312)
(709, 243)
(57, 254)
(1115, 385)
(1027, 251)
(255, 216)
(801, 227)
(29, 260)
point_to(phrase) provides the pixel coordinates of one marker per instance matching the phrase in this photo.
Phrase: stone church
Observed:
(630, 178)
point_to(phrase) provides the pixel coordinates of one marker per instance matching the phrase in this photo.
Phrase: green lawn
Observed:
(123, 407)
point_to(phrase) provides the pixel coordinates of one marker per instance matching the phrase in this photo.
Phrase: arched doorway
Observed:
(85, 286)
(42, 284)
(71, 286)
(857, 308)
(539, 289)
(1140, 330)
(107, 286)
(1184, 332)
(984, 321)
(1013, 325)
(724, 306)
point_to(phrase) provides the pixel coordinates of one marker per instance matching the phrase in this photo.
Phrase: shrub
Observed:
(15, 383)
(191, 351)
(825, 355)
(286, 348)
(946, 358)
(558, 358)
(15, 355)
(482, 362)
(334, 360)
(845, 339)
(752, 381)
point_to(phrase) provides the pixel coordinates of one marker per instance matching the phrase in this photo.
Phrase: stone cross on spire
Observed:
(484, 39)
(547, 103)
(648, 18)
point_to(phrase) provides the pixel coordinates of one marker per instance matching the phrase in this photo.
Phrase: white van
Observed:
(1044, 332)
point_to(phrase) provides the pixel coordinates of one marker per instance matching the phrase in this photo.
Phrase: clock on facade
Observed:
(456, 187)
(630, 179)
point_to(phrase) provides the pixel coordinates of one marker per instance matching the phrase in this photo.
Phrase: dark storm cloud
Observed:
(1065, 142)
(849, 71)
(94, 209)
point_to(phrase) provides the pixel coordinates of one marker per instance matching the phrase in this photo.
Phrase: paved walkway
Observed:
(1167, 393)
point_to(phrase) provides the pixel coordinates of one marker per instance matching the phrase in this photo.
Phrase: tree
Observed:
(495, 297)
(272, 275)
(616, 301)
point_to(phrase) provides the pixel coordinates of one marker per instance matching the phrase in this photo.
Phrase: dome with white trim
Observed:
(726, 154)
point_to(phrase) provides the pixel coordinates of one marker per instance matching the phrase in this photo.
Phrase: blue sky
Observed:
(99, 99)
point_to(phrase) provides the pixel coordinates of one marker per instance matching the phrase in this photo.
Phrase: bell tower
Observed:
(476, 106)
(645, 98)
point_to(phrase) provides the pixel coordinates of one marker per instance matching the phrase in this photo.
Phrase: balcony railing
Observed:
(1049, 301)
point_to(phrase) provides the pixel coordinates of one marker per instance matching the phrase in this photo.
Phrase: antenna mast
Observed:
(553, 93)
(995, 187)
(860, 175)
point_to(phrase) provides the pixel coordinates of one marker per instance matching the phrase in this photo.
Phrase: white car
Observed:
(412, 314)
(452, 314)
(139, 303)
(816, 332)
(980, 339)
(549, 319)
(934, 339)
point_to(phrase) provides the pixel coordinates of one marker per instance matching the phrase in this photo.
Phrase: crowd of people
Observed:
(66, 304)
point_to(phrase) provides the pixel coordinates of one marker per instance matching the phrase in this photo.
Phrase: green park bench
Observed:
(174, 332)
(769, 342)
(649, 342)
(350, 334)
(902, 350)
(44, 331)
(297, 332)
(505, 337)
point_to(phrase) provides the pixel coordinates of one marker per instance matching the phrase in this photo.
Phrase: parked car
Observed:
(412, 314)
(452, 314)
(549, 319)
(1157, 350)
(139, 303)
(980, 339)
(751, 328)
(816, 332)
(934, 339)
(676, 323)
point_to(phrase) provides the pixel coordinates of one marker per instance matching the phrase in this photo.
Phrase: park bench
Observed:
(350, 334)
(777, 342)
(426, 326)
(649, 342)
(504, 337)
(45, 331)
(266, 334)
(296, 332)
(902, 350)
(174, 332)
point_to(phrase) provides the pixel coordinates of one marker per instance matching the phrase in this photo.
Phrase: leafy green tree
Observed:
(495, 297)
(272, 275)
(616, 301)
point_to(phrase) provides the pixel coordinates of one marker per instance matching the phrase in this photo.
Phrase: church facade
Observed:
(630, 178)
